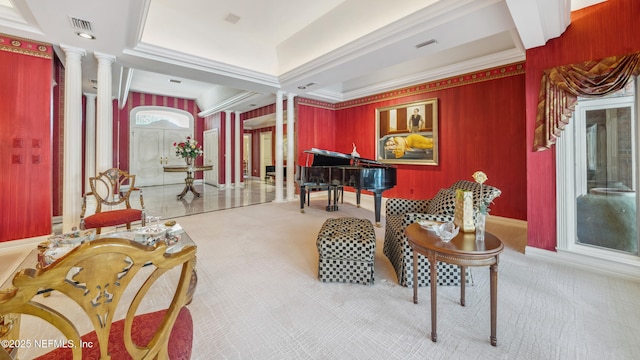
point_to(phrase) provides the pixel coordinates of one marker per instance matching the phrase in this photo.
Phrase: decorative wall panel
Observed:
(25, 138)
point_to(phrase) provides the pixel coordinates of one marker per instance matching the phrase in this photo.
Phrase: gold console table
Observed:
(188, 181)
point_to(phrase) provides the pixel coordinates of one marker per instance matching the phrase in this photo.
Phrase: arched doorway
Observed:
(153, 131)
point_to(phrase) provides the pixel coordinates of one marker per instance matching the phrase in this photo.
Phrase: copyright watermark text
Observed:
(43, 344)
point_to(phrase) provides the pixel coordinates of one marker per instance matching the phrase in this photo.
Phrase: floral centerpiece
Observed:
(188, 149)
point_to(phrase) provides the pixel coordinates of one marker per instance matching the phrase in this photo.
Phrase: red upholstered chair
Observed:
(109, 189)
(96, 276)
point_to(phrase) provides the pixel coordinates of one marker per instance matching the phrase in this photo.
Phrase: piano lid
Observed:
(328, 158)
(333, 158)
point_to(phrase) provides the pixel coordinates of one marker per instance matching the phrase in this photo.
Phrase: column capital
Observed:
(73, 50)
(90, 95)
(104, 57)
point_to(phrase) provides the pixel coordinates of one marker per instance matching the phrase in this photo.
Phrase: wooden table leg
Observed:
(434, 295)
(183, 193)
(415, 277)
(463, 279)
(493, 271)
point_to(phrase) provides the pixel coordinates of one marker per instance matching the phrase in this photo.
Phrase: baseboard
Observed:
(587, 263)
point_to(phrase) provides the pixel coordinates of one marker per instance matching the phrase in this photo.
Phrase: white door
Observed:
(247, 156)
(211, 156)
(153, 130)
(265, 152)
(147, 155)
(151, 150)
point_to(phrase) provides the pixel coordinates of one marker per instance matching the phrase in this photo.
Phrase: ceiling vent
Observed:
(175, 81)
(81, 25)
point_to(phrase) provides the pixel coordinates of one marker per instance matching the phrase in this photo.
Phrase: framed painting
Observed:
(408, 133)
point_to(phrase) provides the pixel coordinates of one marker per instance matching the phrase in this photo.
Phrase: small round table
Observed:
(188, 181)
(463, 250)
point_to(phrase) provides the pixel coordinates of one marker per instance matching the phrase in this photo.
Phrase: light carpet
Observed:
(258, 297)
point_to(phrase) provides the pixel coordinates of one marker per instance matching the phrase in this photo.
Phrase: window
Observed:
(162, 117)
(597, 178)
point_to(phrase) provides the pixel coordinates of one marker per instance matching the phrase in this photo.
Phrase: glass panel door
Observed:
(605, 175)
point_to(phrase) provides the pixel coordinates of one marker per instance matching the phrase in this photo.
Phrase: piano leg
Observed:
(378, 204)
(302, 197)
(331, 207)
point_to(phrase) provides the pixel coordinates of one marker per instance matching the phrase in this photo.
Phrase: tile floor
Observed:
(162, 200)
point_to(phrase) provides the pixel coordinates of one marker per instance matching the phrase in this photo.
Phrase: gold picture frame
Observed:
(408, 133)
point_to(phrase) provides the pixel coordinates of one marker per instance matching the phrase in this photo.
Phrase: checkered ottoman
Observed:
(346, 248)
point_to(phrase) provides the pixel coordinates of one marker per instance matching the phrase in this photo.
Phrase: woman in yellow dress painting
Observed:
(399, 145)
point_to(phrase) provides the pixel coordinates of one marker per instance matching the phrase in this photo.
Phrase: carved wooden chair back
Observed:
(95, 275)
(112, 188)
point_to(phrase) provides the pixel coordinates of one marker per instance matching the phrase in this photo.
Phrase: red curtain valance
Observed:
(561, 86)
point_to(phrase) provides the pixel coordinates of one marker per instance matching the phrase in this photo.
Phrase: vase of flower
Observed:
(188, 150)
(481, 221)
(482, 207)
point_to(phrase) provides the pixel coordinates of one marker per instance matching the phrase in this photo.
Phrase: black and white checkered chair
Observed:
(402, 212)
(346, 250)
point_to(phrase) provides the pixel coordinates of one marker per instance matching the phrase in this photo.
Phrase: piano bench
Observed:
(346, 250)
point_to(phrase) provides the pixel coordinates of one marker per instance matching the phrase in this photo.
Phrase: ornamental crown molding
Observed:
(447, 83)
(22, 46)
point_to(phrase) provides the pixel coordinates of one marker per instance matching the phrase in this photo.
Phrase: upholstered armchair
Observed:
(112, 189)
(402, 212)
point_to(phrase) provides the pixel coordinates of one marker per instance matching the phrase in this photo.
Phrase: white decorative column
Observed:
(104, 114)
(72, 167)
(238, 151)
(90, 140)
(227, 149)
(279, 142)
(291, 159)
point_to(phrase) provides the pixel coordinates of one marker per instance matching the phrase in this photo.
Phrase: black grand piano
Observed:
(332, 170)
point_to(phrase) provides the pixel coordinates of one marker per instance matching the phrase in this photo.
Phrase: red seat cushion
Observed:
(112, 218)
(143, 329)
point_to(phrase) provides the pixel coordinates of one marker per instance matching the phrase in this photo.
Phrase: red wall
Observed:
(481, 127)
(316, 128)
(606, 29)
(57, 137)
(25, 138)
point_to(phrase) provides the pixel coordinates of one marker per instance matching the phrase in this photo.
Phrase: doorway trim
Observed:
(211, 139)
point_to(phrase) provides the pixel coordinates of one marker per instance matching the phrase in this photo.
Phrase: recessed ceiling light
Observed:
(85, 35)
(301, 87)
